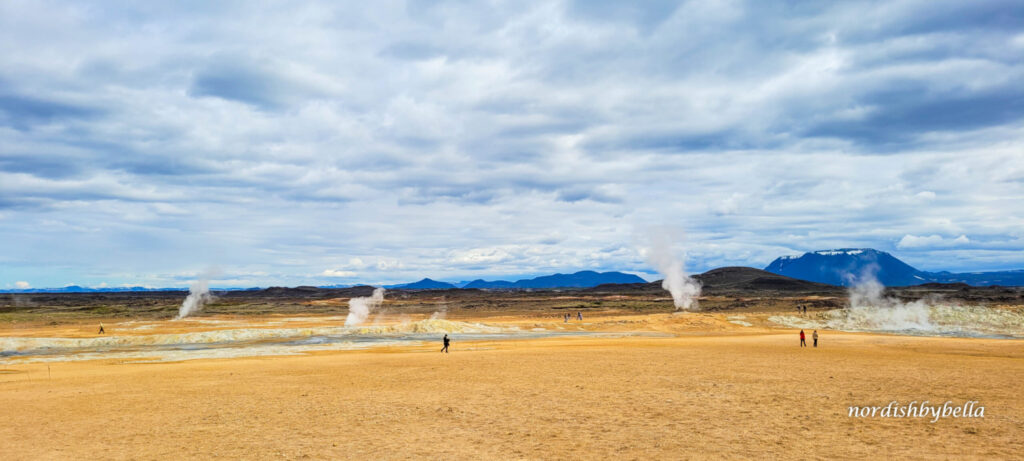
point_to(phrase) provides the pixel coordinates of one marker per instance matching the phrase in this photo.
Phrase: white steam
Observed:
(871, 310)
(198, 295)
(359, 308)
(441, 312)
(663, 255)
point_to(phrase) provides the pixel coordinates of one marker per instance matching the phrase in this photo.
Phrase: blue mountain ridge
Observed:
(835, 267)
(846, 266)
(581, 279)
(136, 289)
(425, 284)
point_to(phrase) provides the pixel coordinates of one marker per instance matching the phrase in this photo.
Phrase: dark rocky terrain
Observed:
(727, 288)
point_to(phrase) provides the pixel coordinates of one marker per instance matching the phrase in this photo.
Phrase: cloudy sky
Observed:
(273, 143)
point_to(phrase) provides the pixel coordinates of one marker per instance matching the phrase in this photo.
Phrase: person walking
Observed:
(102, 331)
(447, 342)
(579, 315)
(815, 337)
(803, 339)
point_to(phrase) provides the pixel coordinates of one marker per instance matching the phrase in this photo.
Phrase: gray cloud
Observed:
(22, 112)
(900, 116)
(248, 81)
(451, 139)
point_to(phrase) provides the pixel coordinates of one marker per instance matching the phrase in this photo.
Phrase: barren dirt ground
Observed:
(714, 390)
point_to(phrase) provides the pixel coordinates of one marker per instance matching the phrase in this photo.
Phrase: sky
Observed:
(290, 143)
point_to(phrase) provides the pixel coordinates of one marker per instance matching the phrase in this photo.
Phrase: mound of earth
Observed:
(729, 280)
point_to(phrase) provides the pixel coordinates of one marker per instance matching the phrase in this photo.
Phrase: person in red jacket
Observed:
(803, 339)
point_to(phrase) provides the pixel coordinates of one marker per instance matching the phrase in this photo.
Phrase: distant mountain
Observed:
(80, 289)
(425, 284)
(581, 279)
(846, 266)
(982, 279)
(490, 285)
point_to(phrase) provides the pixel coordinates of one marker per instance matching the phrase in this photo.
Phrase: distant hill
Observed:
(425, 284)
(748, 278)
(490, 285)
(79, 289)
(728, 280)
(301, 292)
(981, 279)
(845, 266)
(581, 279)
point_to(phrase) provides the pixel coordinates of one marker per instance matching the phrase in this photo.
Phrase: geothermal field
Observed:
(357, 373)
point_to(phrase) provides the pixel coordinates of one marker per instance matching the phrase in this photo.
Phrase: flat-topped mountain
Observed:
(848, 265)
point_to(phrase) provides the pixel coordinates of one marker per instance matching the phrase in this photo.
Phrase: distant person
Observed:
(447, 342)
(102, 332)
(565, 319)
(579, 315)
(805, 309)
(803, 339)
(815, 337)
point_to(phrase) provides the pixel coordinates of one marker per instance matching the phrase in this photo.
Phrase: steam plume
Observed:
(442, 312)
(663, 256)
(359, 308)
(198, 295)
(870, 308)
(866, 290)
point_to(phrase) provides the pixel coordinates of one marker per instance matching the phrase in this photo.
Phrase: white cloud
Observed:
(337, 273)
(22, 285)
(931, 241)
(385, 265)
(480, 256)
(497, 139)
(731, 205)
(913, 241)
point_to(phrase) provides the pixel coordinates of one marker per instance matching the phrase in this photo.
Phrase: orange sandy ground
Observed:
(715, 391)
